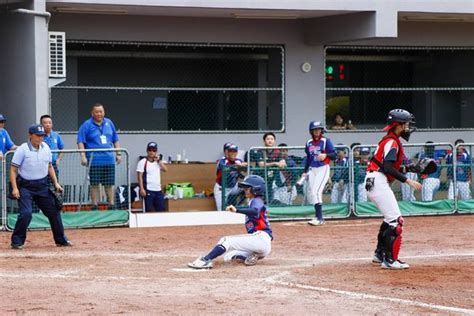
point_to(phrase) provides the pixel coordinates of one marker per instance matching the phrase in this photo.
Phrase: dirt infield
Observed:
(311, 270)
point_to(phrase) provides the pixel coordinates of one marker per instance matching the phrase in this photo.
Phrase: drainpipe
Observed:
(47, 15)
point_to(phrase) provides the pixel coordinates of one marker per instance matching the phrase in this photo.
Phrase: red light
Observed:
(341, 67)
(330, 78)
(341, 76)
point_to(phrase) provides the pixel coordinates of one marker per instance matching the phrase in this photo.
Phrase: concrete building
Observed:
(111, 44)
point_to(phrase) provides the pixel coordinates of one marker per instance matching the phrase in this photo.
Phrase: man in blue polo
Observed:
(53, 140)
(99, 132)
(30, 166)
(6, 142)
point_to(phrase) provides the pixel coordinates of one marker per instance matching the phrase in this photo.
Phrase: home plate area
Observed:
(325, 269)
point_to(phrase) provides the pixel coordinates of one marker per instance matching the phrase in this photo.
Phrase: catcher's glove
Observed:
(427, 165)
(423, 166)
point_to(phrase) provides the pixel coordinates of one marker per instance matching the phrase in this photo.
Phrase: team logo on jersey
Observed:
(315, 149)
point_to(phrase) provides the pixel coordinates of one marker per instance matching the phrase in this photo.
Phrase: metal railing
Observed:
(99, 184)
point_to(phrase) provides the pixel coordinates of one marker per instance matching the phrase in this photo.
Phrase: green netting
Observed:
(409, 208)
(466, 206)
(77, 219)
(306, 211)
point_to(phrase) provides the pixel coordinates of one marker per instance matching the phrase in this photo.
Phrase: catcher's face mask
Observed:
(407, 130)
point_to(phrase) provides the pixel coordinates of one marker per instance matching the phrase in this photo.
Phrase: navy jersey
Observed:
(256, 217)
(341, 172)
(232, 174)
(314, 148)
(463, 169)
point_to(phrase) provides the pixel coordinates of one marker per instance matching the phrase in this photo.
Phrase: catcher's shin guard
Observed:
(380, 243)
(392, 240)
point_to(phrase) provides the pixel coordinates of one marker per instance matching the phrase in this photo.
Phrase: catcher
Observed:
(383, 169)
(246, 248)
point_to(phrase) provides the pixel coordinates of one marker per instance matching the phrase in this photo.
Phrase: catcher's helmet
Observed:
(399, 116)
(315, 125)
(256, 183)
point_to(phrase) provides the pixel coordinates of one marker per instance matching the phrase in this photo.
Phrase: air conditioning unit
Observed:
(57, 54)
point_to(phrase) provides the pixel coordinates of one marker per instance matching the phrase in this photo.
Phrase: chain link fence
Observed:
(434, 197)
(173, 87)
(170, 110)
(3, 195)
(96, 190)
(281, 168)
(460, 184)
(363, 83)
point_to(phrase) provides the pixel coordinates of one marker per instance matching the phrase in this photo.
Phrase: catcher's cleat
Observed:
(251, 260)
(201, 263)
(395, 265)
(16, 246)
(377, 258)
(316, 222)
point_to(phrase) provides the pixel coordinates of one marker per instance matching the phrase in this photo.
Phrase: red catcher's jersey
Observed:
(389, 149)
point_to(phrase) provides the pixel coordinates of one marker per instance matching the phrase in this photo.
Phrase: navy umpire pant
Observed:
(38, 191)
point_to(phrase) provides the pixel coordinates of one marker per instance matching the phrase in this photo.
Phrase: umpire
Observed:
(30, 166)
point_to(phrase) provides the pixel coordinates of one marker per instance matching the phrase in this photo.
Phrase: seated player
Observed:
(246, 248)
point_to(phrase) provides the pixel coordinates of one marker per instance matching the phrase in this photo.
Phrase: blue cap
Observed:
(233, 148)
(227, 145)
(152, 145)
(315, 125)
(365, 151)
(2, 118)
(37, 130)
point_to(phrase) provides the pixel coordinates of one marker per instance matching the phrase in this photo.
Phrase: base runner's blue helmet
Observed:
(315, 125)
(256, 183)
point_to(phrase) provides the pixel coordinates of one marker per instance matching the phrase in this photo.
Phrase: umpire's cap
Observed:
(315, 125)
(37, 130)
(256, 183)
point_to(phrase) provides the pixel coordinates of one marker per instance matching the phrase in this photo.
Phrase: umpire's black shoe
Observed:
(16, 246)
(64, 244)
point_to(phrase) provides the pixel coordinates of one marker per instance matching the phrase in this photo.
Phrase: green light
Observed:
(329, 70)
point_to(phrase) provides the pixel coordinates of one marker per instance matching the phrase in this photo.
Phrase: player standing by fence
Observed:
(463, 173)
(383, 169)
(149, 179)
(319, 151)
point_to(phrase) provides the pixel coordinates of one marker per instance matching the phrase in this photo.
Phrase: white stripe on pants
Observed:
(383, 197)
(317, 179)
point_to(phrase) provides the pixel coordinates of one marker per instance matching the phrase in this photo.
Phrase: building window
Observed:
(171, 87)
(435, 83)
